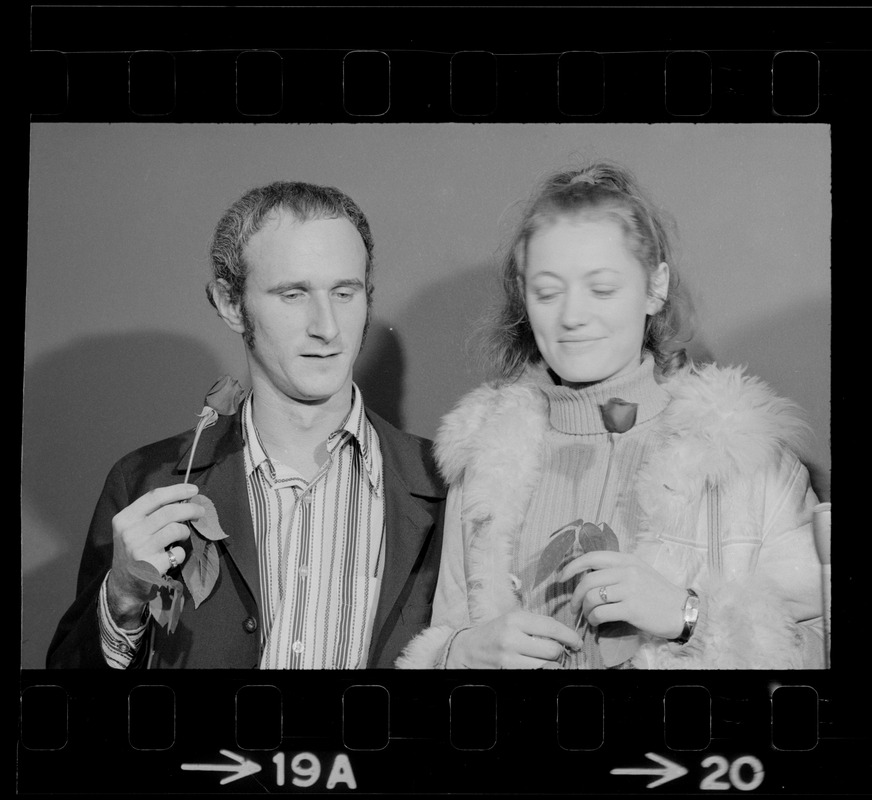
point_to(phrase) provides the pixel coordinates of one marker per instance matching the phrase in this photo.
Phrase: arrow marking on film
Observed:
(243, 767)
(668, 770)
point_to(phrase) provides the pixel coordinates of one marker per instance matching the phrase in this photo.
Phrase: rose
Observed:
(617, 640)
(619, 415)
(200, 570)
(223, 398)
(225, 395)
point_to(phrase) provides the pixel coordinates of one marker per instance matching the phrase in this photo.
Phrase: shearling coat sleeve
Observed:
(429, 649)
(765, 609)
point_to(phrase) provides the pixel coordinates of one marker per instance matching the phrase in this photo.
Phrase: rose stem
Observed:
(599, 507)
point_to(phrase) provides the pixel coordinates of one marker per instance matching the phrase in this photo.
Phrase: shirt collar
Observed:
(357, 427)
(255, 454)
(354, 427)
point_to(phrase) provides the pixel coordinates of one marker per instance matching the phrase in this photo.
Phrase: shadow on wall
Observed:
(85, 406)
(791, 352)
(379, 372)
(438, 331)
(90, 403)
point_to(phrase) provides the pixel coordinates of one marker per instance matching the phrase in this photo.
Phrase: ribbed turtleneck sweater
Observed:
(578, 453)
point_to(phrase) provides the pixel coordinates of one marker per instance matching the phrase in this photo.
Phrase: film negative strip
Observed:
(395, 732)
(436, 732)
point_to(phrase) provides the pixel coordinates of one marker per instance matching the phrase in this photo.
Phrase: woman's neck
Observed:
(577, 409)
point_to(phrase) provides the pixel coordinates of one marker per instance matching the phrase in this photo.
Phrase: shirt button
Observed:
(297, 647)
(249, 624)
(124, 648)
(307, 498)
(304, 572)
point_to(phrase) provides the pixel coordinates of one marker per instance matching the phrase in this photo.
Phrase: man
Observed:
(332, 516)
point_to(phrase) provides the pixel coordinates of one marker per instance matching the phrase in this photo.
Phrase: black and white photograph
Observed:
(442, 400)
(465, 252)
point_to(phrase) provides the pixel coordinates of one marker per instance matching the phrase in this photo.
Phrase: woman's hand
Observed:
(632, 591)
(517, 640)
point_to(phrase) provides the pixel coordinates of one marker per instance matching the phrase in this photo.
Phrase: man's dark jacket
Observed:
(223, 632)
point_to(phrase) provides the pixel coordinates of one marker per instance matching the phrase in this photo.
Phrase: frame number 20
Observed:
(744, 773)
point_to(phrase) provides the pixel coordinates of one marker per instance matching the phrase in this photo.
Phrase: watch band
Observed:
(691, 615)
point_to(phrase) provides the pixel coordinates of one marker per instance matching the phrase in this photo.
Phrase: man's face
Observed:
(305, 298)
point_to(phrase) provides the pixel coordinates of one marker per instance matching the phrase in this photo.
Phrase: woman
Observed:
(698, 550)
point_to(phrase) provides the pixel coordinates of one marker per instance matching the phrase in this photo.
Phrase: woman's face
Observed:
(587, 298)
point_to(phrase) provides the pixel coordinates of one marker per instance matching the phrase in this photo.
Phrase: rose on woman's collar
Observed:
(619, 415)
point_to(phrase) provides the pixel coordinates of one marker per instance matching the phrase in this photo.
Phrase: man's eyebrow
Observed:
(287, 286)
(351, 283)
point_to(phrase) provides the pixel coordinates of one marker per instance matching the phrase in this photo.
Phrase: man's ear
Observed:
(658, 288)
(230, 312)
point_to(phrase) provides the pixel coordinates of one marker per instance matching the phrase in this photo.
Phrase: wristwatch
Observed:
(691, 615)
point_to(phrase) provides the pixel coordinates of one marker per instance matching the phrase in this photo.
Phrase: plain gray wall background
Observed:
(121, 343)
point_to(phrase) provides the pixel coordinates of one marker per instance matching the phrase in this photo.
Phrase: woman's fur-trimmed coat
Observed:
(724, 470)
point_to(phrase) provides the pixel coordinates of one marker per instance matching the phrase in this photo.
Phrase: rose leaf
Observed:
(202, 573)
(159, 607)
(610, 538)
(552, 555)
(177, 602)
(198, 545)
(147, 572)
(208, 524)
(618, 641)
(591, 538)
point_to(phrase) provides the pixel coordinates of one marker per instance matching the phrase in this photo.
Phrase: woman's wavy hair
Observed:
(305, 201)
(600, 190)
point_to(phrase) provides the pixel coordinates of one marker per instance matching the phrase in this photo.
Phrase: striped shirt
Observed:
(320, 547)
(320, 552)
(119, 645)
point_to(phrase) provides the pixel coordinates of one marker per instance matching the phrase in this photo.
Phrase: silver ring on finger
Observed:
(171, 556)
(604, 594)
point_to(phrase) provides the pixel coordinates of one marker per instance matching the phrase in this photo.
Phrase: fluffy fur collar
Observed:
(735, 421)
(719, 424)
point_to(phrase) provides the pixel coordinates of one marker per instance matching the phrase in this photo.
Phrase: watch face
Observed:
(691, 614)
